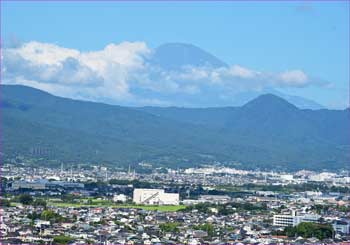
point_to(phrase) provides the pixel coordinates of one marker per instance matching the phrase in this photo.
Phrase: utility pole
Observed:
(71, 173)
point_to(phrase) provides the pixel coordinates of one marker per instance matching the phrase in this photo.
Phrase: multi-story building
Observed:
(341, 226)
(42, 184)
(293, 219)
(33, 185)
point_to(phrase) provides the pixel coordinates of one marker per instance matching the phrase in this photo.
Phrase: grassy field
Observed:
(164, 208)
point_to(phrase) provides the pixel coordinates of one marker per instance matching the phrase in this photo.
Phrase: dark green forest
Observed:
(264, 133)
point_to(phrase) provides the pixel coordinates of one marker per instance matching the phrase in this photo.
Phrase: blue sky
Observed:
(272, 37)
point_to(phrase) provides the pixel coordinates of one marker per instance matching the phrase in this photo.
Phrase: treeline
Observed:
(25, 199)
(308, 230)
(48, 215)
(226, 209)
(297, 187)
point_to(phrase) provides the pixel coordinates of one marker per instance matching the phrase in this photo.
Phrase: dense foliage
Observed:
(310, 186)
(4, 203)
(45, 129)
(39, 202)
(52, 216)
(169, 227)
(226, 209)
(308, 229)
(61, 239)
(207, 227)
(26, 199)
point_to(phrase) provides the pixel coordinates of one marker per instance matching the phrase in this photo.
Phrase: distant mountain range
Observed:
(173, 74)
(175, 56)
(267, 132)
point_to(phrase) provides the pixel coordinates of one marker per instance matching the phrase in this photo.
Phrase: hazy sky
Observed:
(305, 41)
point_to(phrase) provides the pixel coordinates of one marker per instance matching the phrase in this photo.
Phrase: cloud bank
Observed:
(123, 74)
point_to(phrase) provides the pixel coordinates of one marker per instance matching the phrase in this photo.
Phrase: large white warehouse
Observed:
(155, 197)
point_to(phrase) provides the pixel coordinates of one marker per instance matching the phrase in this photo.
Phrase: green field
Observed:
(164, 208)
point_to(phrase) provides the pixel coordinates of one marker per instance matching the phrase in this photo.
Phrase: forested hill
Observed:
(267, 132)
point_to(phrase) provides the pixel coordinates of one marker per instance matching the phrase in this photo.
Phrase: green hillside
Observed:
(265, 132)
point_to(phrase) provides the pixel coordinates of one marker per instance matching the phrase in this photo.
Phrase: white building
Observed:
(218, 199)
(34, 185)
(286, 177)
(155, 197)
(293, 219)
(341, 226)
(324, 176)
(120, 198)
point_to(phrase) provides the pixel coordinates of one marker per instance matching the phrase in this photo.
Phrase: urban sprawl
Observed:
(207, 205)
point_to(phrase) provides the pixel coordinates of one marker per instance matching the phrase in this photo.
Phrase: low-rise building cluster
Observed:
(87, 207)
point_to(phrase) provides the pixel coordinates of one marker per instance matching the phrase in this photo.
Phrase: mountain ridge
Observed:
(174, 56)
(79, 131)
(179, 74)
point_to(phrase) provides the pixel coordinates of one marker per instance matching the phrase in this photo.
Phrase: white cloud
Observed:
(101, 74)
(121, 73)
(295, 77)
(237, 77)
(43, 53)
(239, 71)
